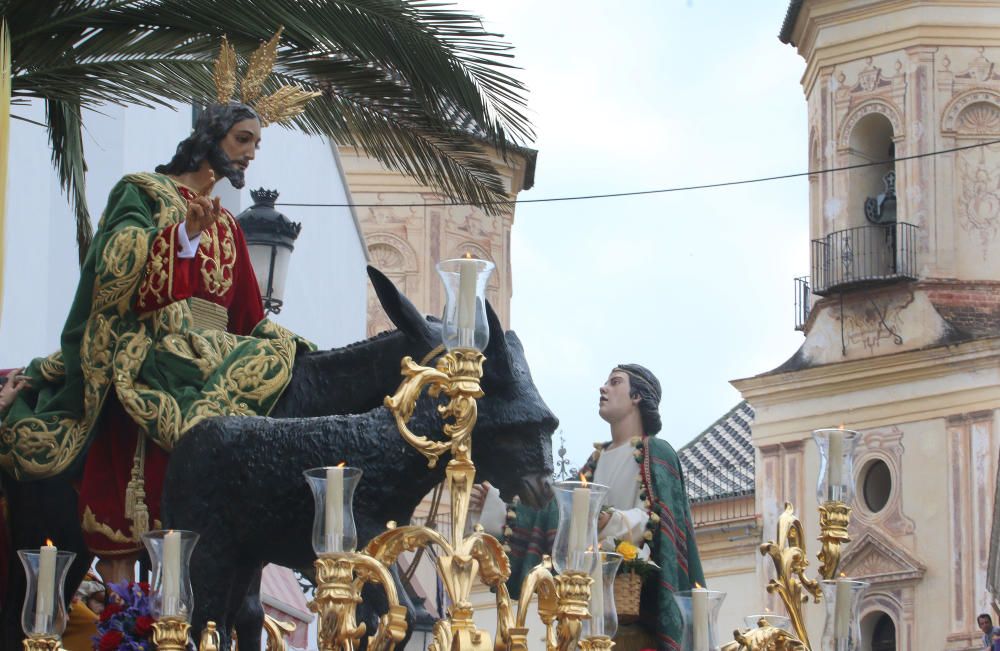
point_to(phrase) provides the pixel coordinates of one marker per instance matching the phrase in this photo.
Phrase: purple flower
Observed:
(128, 627)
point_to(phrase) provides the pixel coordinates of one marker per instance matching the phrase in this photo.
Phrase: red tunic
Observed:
(221, 273)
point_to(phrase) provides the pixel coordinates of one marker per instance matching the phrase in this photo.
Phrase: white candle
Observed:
(334, 520)
(597, 599)
(842, 610)
(170, 586)
(835, 467)
(699, 618)
(466, 300)
(578, 542)
(45, 596)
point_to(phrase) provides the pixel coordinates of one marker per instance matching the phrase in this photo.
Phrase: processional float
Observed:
(562, 586)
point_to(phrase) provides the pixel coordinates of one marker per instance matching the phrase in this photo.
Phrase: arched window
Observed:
(872, 188)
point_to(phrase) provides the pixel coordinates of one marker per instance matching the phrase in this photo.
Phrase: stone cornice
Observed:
(917, 27)
(873, 372)
(788, 404)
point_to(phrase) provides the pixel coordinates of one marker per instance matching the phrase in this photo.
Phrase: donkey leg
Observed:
(211, 576)
(247, 612)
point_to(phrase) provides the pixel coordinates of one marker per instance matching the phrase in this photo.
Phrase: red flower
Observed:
(110, 640)
(144, 586)
(143, 625)
(110, 610)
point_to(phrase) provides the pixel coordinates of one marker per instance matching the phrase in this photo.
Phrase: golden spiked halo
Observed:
(285, 103)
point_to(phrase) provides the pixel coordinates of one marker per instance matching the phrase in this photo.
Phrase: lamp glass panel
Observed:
(260, 258)
(281, 258)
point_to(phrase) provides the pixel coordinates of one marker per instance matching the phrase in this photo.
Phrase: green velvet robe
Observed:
(167, 374)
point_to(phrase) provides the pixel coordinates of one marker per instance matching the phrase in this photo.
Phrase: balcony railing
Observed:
(803, 302)
(862, 256)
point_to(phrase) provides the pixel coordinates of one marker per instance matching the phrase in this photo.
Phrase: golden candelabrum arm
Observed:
(764, 638)
(338, 591)
(457, 376)
(392, 625)
(789, 558)
(276, 631)
(834, 518)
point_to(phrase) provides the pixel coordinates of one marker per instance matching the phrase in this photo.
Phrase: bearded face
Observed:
(231, 156)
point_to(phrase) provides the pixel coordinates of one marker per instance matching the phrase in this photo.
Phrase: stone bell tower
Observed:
(901, 311)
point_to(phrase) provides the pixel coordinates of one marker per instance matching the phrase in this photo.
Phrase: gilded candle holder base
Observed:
(42, 643)
(834, 518)
(170, 634)
(596, 643)
(572, 607)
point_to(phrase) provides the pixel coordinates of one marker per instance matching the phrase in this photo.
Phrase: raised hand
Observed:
(202, 211)
(13, 386)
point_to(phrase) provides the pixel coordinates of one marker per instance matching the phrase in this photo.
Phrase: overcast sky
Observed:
(698, 286)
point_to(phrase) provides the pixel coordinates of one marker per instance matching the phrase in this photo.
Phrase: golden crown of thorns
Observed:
(283, 104)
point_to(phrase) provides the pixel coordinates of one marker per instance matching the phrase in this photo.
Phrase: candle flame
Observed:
(341, 464)
(697, 586)
(841, 426)
(843, 576)
(767, 610)
(583, 480)
(48, 542)
(467, 256)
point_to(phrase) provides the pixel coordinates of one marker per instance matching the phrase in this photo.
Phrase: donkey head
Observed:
(512, 442)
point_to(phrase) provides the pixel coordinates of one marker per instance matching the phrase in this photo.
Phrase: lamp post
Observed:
(270, 239)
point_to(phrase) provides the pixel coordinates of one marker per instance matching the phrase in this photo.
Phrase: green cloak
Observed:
(167, 374)
(531, 532)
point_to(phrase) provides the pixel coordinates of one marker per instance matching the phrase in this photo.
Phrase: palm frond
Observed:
(420, 86)
(66, 139)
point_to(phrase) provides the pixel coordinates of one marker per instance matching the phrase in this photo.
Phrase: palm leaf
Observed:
(4, 134)
(66, 139)
(422, 88)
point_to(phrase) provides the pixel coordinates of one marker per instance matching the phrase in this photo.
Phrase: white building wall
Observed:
(325, 295)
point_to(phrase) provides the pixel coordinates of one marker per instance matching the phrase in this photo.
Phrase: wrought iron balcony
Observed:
(802, 302)
(864, 256)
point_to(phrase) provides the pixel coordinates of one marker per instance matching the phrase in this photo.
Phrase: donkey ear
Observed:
(496, 351)
(400, 310)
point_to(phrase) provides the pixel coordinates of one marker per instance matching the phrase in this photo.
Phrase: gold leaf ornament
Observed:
(261, 63)
(224, 72)
(285, 103)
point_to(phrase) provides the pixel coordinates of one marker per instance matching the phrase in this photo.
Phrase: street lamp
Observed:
(270, 239)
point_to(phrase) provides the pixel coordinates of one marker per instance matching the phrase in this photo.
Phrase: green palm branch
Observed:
(421, 87)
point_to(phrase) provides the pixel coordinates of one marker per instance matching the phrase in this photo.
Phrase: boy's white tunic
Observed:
(616, 469)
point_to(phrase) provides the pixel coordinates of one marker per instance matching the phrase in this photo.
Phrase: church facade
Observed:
(902, 321)
(408, 230)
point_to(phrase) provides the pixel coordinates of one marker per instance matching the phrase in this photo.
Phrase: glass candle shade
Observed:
(334, 531)
(603, 615)
(44, 610)
(836, 464)
(576, 538)
(700, 610)
(170, 554)
(464, 322)
(843, 603)
(777, 621)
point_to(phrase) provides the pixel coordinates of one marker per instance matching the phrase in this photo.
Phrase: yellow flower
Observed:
(628, 551)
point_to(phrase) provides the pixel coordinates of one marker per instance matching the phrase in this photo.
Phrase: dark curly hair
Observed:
(644, 385)
(204, 143)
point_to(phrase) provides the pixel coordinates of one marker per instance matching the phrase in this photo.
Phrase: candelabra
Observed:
(835, 490)
(563, 599)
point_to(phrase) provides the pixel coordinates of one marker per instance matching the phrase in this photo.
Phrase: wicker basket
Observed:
(628, 587)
